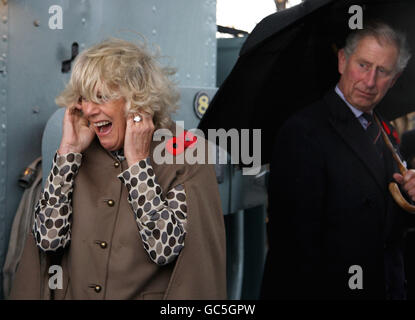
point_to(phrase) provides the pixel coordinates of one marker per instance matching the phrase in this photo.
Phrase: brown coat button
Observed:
(97, 288)
(103, 245)
(116, 164)
(111, 203)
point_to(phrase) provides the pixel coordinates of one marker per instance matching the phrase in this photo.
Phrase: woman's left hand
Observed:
(138, 137)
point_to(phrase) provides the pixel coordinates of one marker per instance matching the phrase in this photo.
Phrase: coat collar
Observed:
(349, 128)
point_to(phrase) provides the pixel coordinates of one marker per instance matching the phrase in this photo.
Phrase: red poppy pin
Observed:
(177, 145)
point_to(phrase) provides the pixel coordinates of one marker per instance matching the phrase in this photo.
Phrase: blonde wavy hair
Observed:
(117, 68)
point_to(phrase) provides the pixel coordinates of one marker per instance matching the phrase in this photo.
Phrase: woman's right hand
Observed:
(77, 135)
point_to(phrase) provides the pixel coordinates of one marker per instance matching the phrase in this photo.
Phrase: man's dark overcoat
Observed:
(330, 210)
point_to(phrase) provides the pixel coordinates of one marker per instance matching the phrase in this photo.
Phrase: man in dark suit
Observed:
(334, 229)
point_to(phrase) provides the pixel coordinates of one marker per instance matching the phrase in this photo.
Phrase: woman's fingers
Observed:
(77, 134)
(142, 120)
(138, 136)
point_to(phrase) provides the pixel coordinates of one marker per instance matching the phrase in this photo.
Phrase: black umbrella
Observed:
(290, 60)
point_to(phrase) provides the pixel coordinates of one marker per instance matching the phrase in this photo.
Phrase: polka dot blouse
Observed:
(160, 217)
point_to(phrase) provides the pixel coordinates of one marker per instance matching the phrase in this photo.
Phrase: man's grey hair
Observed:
(383, 33)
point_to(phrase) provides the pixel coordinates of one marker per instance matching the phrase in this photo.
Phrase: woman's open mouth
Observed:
(103, 128)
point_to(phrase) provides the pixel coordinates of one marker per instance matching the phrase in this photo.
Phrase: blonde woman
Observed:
(119, 225)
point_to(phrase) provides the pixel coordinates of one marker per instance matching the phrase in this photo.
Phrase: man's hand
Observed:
(407, 181)
(138, 137)
(77, 135)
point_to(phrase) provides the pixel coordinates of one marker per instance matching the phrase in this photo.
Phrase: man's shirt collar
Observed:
(355, 111)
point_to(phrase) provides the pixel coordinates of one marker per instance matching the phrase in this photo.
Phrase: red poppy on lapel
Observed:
(177, 145)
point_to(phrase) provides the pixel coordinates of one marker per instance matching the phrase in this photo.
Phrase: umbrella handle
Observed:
(393, 186)
(400, 200)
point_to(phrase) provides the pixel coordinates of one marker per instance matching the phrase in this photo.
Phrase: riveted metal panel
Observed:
(4, 218)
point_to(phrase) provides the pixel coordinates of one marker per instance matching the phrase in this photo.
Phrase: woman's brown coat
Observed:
(106, 258)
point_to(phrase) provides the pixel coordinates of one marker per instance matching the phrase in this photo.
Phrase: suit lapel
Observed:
(349, 128)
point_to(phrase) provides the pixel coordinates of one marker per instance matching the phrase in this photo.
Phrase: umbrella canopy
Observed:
(290, 61)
